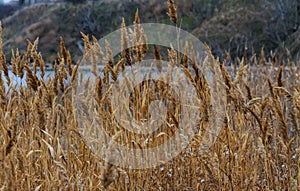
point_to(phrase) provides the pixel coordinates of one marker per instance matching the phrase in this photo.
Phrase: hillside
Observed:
(225, 25)
(241, 26)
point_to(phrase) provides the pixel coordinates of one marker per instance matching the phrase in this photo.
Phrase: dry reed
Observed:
(42, 147)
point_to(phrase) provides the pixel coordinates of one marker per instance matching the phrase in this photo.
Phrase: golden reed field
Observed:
(43, 148)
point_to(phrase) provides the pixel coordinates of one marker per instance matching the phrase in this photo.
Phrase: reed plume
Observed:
(172, 11)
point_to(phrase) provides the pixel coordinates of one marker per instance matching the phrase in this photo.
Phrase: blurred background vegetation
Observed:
(230, 27)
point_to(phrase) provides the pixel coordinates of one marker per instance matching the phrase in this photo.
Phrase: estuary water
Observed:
(139, 73)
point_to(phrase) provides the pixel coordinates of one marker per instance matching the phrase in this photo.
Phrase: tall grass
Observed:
(42, 147)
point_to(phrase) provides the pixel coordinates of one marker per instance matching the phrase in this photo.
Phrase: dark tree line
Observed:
(6, 10)
(298, 15)
(29, 2)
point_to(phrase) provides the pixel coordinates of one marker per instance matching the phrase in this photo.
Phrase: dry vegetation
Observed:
(42, 147)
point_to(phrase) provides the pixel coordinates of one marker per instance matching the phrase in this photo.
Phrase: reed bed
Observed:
(43, 148)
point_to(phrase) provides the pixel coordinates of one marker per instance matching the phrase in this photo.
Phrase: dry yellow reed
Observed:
(42, 146)
(172, 11)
